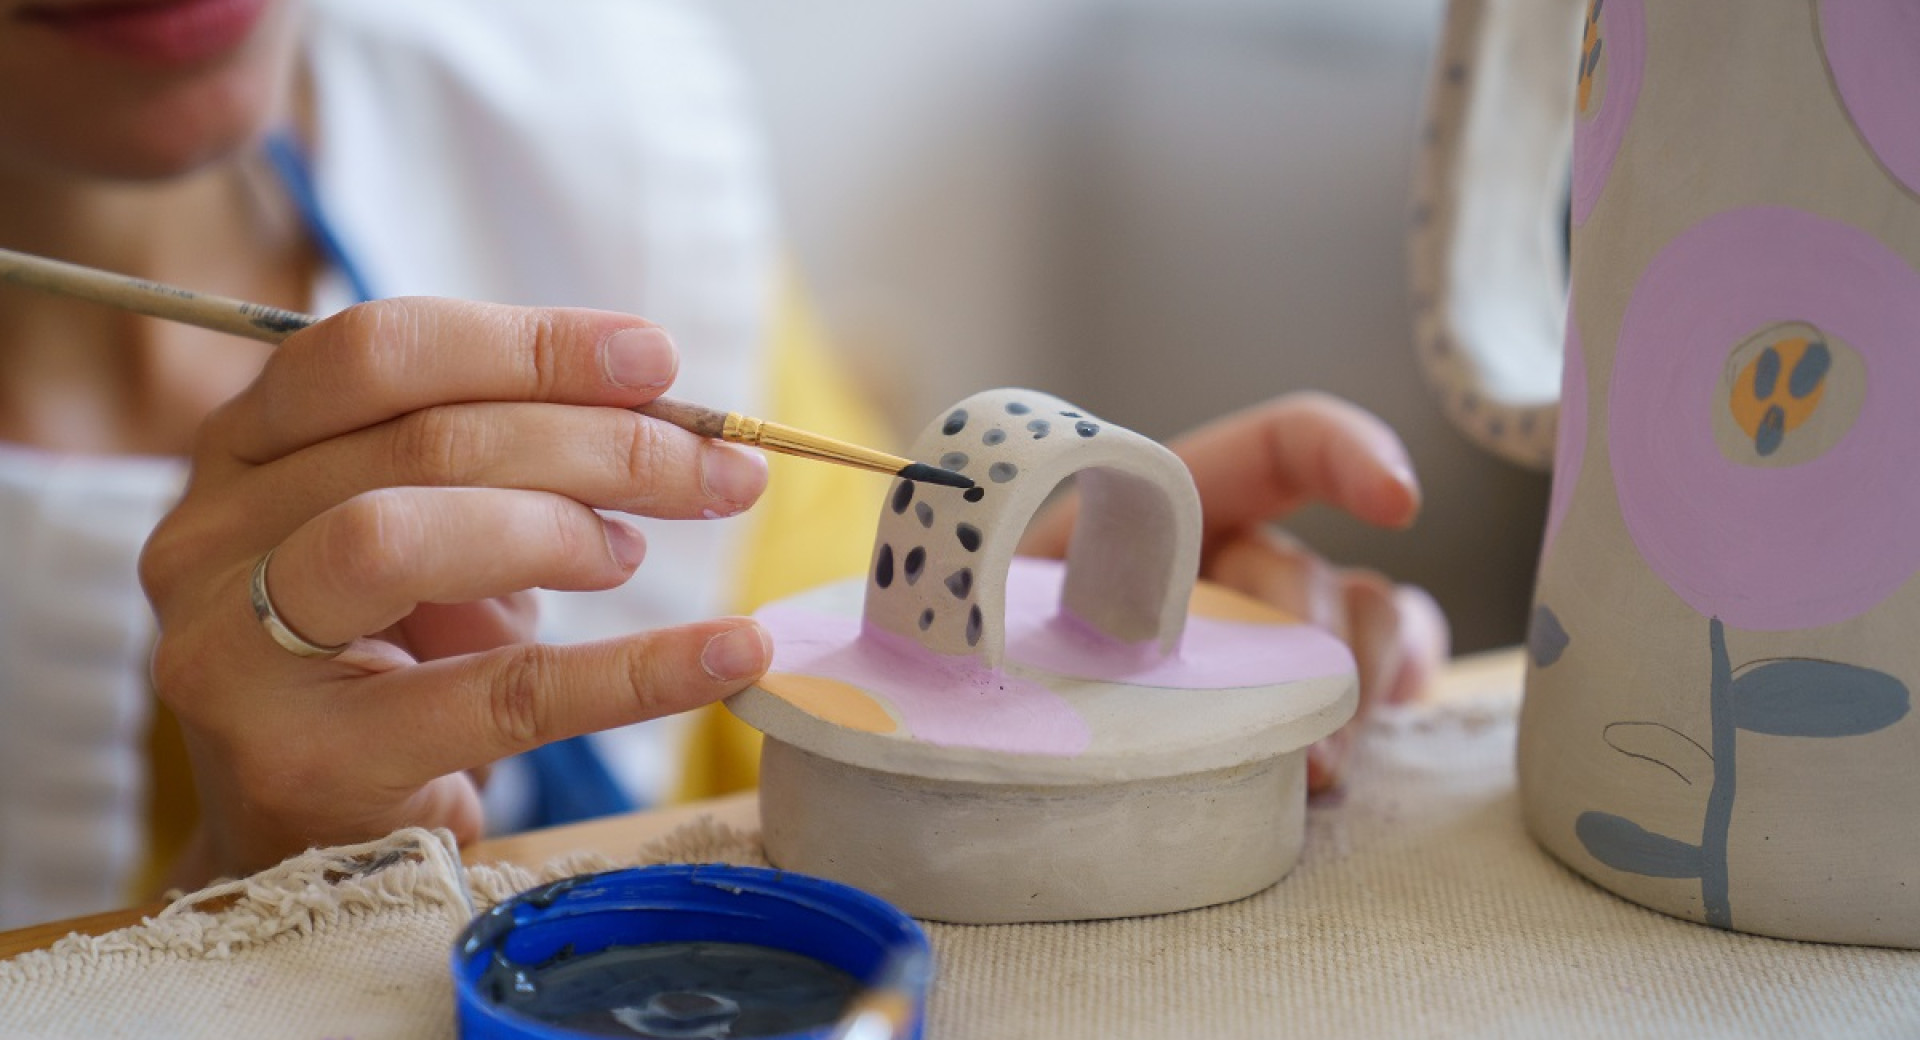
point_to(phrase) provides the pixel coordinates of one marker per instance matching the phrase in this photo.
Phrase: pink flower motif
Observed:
(1768, 548)
(1872, 47)
(1600, 124)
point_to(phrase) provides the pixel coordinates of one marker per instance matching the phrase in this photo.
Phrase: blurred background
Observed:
(1160, 209)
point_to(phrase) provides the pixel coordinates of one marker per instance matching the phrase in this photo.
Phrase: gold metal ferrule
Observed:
(740, 429)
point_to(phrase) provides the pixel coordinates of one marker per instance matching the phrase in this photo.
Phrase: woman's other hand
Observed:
(1254, 467)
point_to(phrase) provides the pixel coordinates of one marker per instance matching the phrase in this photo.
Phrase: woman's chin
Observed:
(101, 114)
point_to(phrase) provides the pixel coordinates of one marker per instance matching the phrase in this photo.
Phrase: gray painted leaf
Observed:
(1623, 844)
(1547, 639)
(1799, 697)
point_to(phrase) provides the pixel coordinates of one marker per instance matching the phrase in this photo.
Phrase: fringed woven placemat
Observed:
(1419, 909)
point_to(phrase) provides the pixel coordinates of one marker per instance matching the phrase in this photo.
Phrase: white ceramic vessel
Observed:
(979, 737)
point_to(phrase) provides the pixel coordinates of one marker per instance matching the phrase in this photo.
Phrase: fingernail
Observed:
(1403, 475)
(625, 541)
(733, 475)
(643, 358)
(738, 653)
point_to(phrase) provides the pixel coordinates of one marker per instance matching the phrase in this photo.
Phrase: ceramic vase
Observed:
(1723, 645)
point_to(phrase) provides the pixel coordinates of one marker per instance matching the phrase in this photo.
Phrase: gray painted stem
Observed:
(1719, 816)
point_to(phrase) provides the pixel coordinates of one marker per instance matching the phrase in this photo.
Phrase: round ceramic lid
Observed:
(1070, 705)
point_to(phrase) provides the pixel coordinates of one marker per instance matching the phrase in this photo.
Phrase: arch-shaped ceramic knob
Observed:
(940, 557)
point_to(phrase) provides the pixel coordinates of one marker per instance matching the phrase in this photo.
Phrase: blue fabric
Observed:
(290, 162)
(570, 782)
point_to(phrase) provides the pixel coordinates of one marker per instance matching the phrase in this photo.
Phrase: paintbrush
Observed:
(272, 325)
(885, 1009)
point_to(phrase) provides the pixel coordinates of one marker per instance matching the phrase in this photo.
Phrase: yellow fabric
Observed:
(814, 524)
(172, 809)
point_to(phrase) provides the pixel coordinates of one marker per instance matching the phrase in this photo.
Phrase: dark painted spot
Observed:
(1546, 639)
(960, 582)
(883, 567)
(1771, 431)
(1073, 415)
(993, 437)
(1809, 370)
(1001, 472)
(1766, 373)
(926, 619)
(1593, 56)
(975, 623)
(1040, 428)
(1085, 428)
(1456, 73)
(924, 512)
(954, 460)
(955, 422)
(1016, 408)
(1496, 429)
(916, 562)
(969, 537)
(974, 494)
(902, 495)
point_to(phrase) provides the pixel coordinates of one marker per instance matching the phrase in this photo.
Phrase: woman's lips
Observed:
(153, 32)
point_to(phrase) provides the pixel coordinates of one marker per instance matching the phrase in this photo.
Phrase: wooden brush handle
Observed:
(694, 418)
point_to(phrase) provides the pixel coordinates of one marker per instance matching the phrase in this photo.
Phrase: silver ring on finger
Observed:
(276, 626)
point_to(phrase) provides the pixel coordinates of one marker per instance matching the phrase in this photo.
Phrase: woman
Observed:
(392, 481)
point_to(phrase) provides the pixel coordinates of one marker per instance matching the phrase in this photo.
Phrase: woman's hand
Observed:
(1256, 466)
(414, 466)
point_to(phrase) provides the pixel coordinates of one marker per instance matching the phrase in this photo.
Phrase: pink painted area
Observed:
(1570, 436)
(953, 701)
(1213, 654)
(1623, 43)
(1768, 548)
(1872, 46)
(939, 699)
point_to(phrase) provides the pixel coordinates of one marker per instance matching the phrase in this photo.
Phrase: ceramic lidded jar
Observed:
(1718, 716)
(981, 737)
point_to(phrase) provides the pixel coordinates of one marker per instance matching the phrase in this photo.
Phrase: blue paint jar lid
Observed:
(540, 936)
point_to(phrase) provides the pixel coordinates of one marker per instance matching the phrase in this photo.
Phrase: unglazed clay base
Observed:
(984, 796)
(978, 853)
(983, 738)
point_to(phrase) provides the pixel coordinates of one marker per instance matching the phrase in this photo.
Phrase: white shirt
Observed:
(593, 153)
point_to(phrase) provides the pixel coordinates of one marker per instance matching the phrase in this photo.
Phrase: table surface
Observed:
(1494, 673)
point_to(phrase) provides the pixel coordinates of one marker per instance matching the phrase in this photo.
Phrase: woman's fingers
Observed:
(436, 630)
(1272, 567)
(365, 564)
(604, 457)
(1397, 633)
(418, 723)
(1261, 463)
(1399, 640)
(381, 360)
(1426, 643)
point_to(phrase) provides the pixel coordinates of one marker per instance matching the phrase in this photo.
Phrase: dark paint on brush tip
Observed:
(926, 474)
